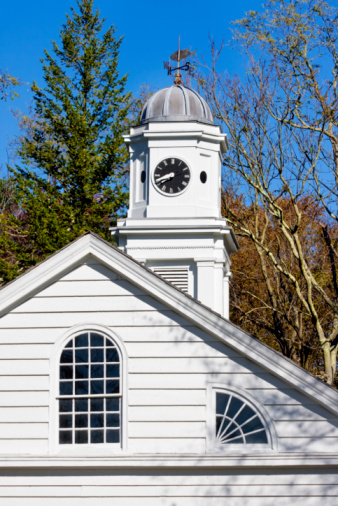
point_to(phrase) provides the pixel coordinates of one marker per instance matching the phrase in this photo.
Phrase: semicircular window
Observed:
(89, 391)
(237, 422)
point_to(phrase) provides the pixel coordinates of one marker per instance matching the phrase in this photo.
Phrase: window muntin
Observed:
(237, 422)
(90, 398)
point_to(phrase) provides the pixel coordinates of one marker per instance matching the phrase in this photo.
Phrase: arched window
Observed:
(90, 397)
(237, 420)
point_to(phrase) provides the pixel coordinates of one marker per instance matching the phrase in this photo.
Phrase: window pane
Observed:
(112, 355)
(81, 371)
(70, 344)
(112, 386)
(65, 437)
(109, 343)
(113, 371)
(254, 424)
(66, 372)
(221, 403)
(81, 420)
(219, 423)
(96, 355)
(97, 371)
(81, 355)
(96, 436)
(234, 407)
(96, 420)
(113, 420)
(96, 340)
(66, 357)
(81, 341)
(66, 421)
(81, 388)
(96, 404)
(112, 404)
(244, 415)
(81, 436)
(81, 404)
(257, 438)
(113, 436)
(65, 405)
(66, 388)
(96, 387)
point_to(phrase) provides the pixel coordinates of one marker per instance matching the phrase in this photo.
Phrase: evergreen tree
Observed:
(72, 173)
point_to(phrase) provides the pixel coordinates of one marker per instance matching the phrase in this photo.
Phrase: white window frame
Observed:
(215, 446)
(90, 449)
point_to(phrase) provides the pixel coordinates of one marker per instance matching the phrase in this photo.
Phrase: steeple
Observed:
(174, 222)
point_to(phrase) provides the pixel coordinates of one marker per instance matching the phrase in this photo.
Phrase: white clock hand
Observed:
(165, 178)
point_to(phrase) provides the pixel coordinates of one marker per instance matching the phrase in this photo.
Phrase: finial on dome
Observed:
(180, 54)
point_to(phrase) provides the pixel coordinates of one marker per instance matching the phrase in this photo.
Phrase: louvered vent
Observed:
(177, 276)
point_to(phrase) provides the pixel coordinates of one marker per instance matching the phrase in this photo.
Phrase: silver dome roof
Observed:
(176, 103)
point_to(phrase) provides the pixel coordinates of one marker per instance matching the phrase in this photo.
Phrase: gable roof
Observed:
(93, 246)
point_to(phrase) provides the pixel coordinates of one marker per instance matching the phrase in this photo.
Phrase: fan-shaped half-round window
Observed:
(90, 391)
(237, 421)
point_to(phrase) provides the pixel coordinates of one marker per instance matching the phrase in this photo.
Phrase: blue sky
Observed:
(150, 29)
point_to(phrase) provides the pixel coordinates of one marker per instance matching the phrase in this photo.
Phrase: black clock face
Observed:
(172, 176)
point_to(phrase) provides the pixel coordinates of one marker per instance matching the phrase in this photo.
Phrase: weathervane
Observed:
(180, 54)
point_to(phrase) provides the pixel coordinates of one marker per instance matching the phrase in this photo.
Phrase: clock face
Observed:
(172, 176)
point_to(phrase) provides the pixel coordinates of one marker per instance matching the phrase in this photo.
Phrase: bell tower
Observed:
(174, 224)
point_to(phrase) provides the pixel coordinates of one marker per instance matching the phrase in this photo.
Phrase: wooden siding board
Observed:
(225, 477)
(108, 318)
(153, 397)
(168, 501)
(91, 303)
(24, 367)
(24, 414)
(24, 383)
(90, 289)
(19, 399)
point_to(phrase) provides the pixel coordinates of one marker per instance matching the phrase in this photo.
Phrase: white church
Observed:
(122, 380)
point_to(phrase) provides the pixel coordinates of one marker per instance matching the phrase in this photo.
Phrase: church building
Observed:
(122, 380)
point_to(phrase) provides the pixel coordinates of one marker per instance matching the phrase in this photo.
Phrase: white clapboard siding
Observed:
(299, 413)
(92, 272)
(167, 413)
(170, 350)
(23, 430)
(183, 334)
(90, 289)
(23, 367)
(314, 429)
(308, 444)
(153, 491)
(93, 304)
(23, 446)
(25, 351)
(28, 335)
(36, 398)
(166, 430)
(108, 318)
(24, 414)
(167, 445)
(169, 501)
(325, 480)
(192, 365)
(23, 384)
(200, 380)
(167, 397)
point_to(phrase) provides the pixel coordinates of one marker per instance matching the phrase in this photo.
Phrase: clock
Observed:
(172, 176)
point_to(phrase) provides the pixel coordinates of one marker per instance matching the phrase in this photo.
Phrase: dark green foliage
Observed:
(74, 164)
